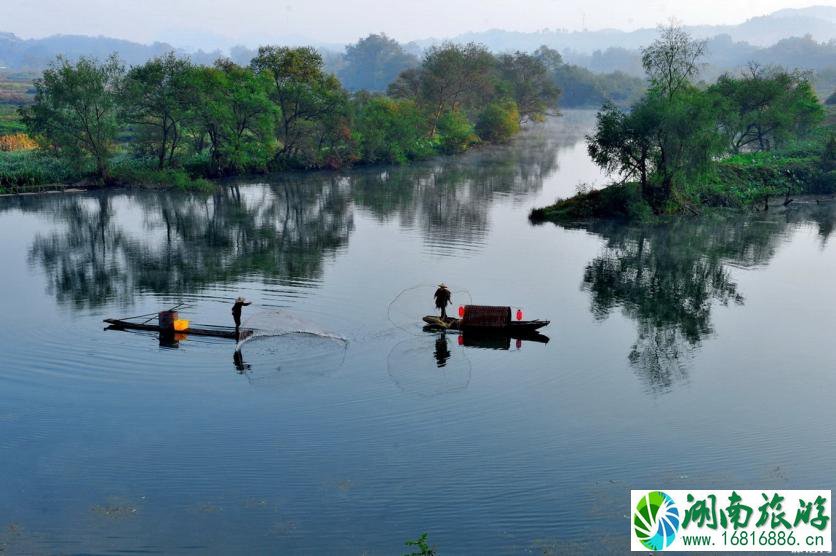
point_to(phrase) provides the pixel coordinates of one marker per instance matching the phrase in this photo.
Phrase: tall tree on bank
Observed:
(233, 110)
(75, 110)
(304, 94)
(374, 62)
(672, 61)
(455, 77)
(155, 99)
(671, 135)
(530, 85)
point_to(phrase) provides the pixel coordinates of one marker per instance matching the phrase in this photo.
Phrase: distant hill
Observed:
(817, 21)
(797, 38)
(35, 54)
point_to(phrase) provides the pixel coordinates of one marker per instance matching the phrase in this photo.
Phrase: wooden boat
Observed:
(485, 319)
(435, 323)
(195, 330)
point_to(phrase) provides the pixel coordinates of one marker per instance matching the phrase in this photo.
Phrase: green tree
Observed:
(155, 99)
(304, 94)
(455, 132)
(389, 130)
(407, 85)
(498, 122)
(828, 157)
(623, 142)
(672, 61)
(662, 142)
(75, 110)
(528, 82)
(549, 57)
(455, 77)
(233, 110)
(764, 108)
(374, 62)
(686, 142)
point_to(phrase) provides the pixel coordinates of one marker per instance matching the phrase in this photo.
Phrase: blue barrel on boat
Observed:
(166, 320)
(486, 316)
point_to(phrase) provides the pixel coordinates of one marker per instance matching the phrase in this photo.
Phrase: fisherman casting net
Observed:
(408, 308)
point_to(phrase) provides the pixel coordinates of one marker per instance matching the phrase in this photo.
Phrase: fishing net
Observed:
(411, 305)
(289, 359)
(275, 323)
(429, 366)
(287, 348)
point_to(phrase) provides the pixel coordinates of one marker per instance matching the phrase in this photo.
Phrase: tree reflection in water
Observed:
(668, 277)
(188, 241)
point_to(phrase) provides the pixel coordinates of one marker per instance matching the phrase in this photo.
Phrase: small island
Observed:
(685, 147)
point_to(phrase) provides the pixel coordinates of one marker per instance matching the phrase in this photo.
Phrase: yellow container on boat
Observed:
(181, 325)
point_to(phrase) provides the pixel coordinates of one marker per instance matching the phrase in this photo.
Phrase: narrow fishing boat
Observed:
(169, 322)
(485, 319)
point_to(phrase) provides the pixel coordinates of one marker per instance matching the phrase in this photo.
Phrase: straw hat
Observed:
(442, 285)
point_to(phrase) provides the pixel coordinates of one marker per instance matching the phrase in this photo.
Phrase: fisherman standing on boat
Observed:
(236, 312)
(442, 299)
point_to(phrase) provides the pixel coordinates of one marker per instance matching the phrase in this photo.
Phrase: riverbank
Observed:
(33, 170)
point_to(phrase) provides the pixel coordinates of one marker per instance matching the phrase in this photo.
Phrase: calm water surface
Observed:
(692, 354)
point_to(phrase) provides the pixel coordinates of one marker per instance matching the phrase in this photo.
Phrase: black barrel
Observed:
(166, 320)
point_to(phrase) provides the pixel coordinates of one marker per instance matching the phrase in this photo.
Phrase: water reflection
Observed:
(424, 367)
(448, 200)
(442, 350)
(668, 277)
(187, 242)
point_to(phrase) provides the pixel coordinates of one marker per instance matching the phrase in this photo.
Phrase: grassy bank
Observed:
(27, 171)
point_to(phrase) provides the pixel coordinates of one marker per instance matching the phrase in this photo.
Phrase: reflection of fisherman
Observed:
(442, 352)
(442, 299)
(236, 312)
(238, 360)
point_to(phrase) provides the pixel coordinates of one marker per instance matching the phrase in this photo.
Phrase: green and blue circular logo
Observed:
(656, 520)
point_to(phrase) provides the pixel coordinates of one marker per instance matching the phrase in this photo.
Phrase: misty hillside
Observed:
(35, 54)
(817, 21)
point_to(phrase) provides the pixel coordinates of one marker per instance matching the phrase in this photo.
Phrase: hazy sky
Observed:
(225, 22)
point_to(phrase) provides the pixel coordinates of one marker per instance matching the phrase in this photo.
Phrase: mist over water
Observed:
(686, 354)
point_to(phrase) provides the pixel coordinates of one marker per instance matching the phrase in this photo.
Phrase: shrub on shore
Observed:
(17, 142)
(22, 169)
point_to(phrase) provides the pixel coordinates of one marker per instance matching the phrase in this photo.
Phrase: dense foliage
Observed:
(282, 110)
(75, 111)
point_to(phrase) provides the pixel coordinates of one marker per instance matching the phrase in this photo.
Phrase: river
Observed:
(690, 354)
